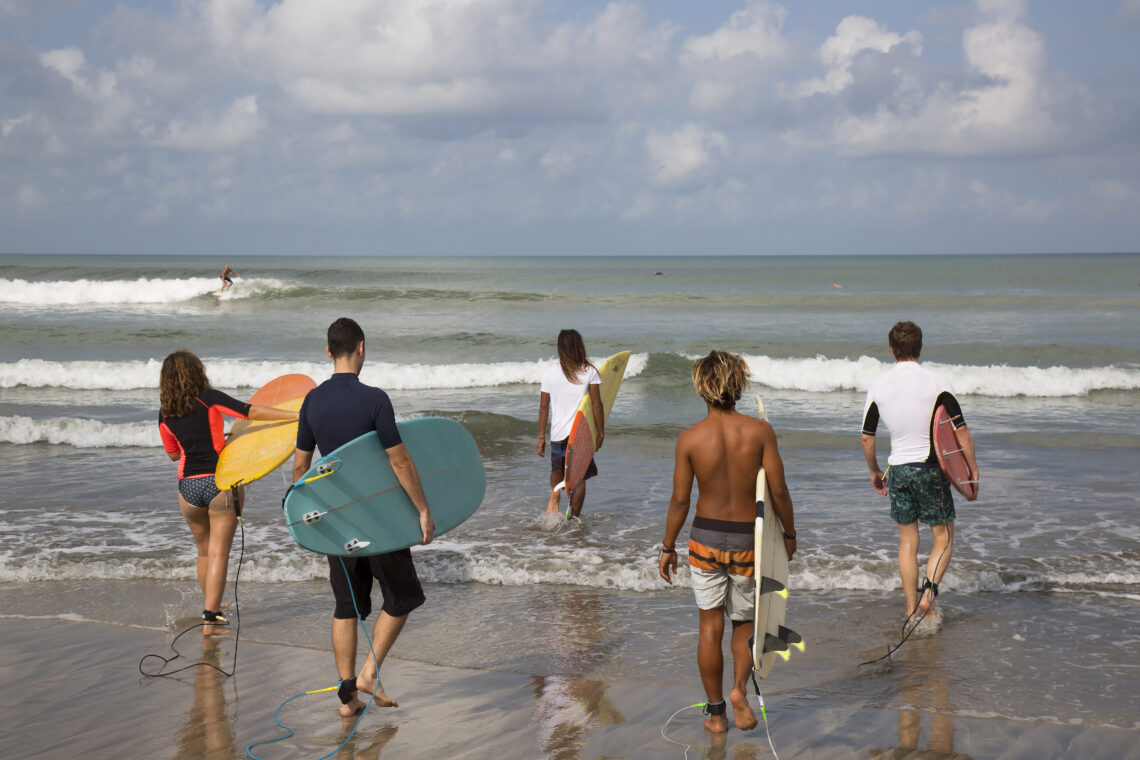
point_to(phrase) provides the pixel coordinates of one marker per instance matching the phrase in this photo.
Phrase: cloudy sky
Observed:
(569, 126)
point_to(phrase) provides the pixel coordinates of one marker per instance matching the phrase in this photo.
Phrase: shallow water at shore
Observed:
(1040, 614)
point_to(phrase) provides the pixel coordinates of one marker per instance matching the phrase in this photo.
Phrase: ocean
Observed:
(1041, 621)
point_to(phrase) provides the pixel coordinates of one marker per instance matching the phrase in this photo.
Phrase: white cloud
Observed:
(1010, 110)
(730, 66)
(682, 156)
(752, 32)
(239, 124)
(854, 35)
(68, 62)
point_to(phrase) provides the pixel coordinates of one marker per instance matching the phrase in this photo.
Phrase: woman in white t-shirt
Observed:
(563, 386)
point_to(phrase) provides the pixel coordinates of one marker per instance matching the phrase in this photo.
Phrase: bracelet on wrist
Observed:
(666, 549)
(791, 537)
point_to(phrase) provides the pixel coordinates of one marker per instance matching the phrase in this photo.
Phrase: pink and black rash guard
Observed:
(198, 437)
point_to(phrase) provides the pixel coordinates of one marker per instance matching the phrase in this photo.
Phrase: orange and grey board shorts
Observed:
(722, 566)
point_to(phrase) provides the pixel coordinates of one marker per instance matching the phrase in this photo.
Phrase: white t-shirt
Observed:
(565, 397)
(905, 399)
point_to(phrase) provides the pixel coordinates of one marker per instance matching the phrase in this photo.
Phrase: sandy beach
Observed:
(74, 689)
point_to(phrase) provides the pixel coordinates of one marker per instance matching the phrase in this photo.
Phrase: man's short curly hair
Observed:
(720, 379)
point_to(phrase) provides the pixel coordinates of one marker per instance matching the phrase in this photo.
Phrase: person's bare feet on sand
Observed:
(369, 686)
(215, 630)
(742, 714)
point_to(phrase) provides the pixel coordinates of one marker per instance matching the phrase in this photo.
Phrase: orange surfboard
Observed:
(256, 448)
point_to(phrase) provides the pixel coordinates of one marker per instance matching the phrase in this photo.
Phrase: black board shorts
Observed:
(399, 584)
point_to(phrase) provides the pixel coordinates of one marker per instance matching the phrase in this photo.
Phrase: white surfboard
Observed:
(771, 640)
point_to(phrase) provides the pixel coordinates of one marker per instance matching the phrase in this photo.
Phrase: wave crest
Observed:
(144, 290)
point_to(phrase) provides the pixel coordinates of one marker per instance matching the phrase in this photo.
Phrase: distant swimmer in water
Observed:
(836, 285)
(226, 281)
(655, 274)
(191, 427)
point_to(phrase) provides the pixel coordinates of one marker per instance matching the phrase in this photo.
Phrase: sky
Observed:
(569, 127)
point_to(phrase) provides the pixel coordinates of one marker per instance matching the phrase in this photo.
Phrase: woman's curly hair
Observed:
(183, 377)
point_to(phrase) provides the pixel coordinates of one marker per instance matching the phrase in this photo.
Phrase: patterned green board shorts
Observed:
(920, 493)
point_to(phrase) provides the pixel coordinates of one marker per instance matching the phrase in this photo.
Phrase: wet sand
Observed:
(74, 690)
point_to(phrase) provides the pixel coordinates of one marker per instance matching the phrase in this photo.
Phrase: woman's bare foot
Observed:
(366, 685)
(215, 630)
(742, 714)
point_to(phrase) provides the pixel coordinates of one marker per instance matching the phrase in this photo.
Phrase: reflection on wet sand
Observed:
(208, 732)
(364, 746)
(925, 689)
(569, 706)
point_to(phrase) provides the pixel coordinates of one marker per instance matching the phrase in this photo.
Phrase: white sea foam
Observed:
(823, 375)
(230, 373)
(458, 561)
(125, 292)
(81, 433)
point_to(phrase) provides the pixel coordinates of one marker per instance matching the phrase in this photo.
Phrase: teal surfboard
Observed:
(350, 503)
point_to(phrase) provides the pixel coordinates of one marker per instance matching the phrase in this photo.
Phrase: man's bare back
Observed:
(725, 451)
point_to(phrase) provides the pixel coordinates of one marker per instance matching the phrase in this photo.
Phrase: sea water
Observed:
(1040, 613)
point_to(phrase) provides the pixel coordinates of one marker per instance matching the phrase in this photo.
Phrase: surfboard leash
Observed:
(904, 632)
(371, 700)
(237, 628)
(763, 713)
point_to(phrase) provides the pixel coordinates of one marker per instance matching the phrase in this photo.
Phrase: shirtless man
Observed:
(226, 281)
(725, 451)
(337, 411)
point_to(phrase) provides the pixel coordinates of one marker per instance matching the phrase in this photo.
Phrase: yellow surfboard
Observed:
(611, 372)
(583, 441)
(257, 448)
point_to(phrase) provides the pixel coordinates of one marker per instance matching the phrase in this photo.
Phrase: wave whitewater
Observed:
(454, 561)
(817, 375)
(127, 292)
(824, 375)
(228, 373)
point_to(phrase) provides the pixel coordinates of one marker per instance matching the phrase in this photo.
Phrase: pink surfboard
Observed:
(950, 456)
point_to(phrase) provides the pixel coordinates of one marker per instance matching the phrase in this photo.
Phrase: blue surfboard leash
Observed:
(277, 712)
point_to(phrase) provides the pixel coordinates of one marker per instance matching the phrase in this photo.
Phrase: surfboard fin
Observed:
(773, 586)
(355, 545)
(776, 645)
(560, 487)
(792, 638)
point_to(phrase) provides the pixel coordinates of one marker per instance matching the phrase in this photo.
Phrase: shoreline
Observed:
(79, 692)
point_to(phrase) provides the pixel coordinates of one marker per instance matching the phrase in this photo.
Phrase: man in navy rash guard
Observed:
(335, 412)
(905, 398)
